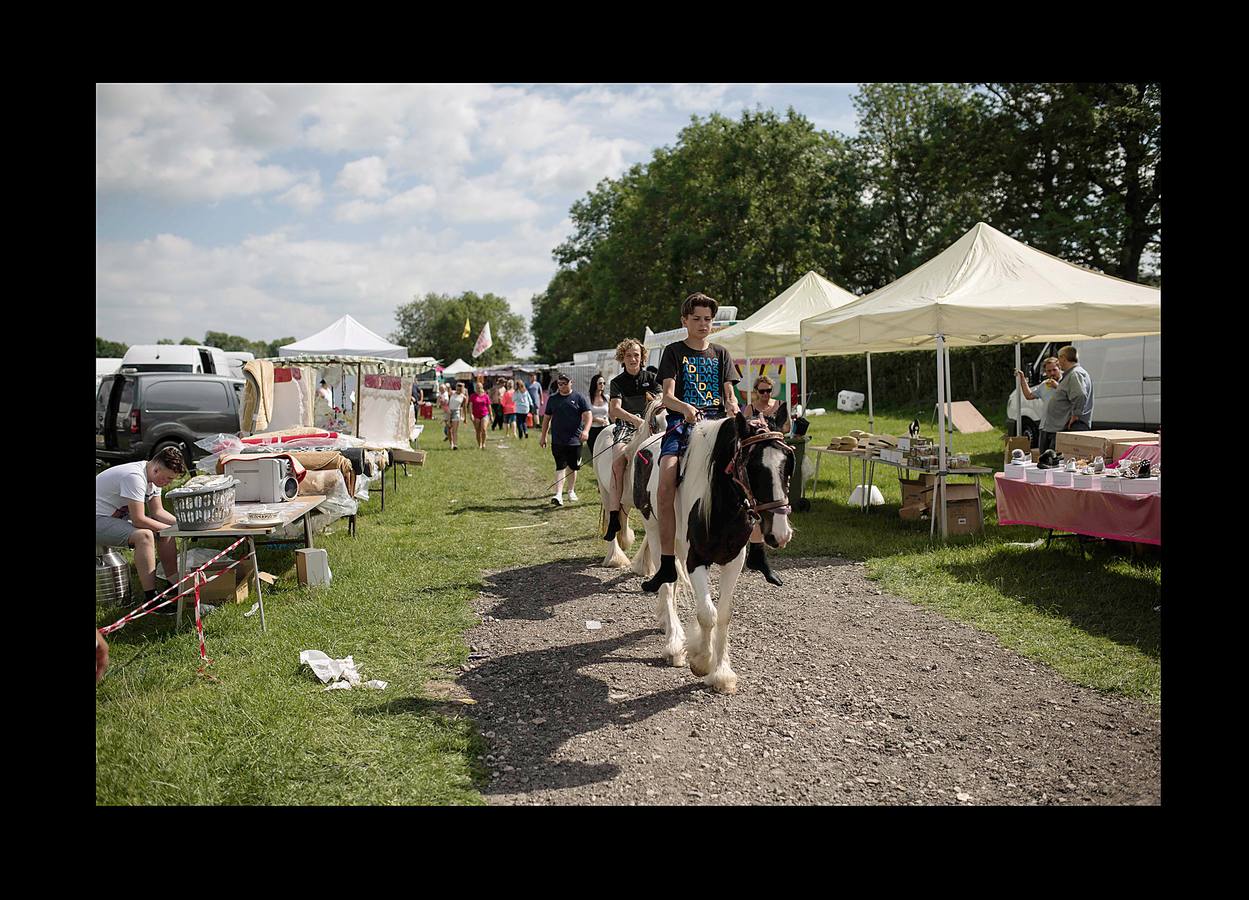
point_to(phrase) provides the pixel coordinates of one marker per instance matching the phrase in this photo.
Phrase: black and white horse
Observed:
(736, 475)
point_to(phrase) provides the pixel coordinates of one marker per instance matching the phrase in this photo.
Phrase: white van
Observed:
(175, 358)
(238, 359)
(1127, 383)
(105, 366)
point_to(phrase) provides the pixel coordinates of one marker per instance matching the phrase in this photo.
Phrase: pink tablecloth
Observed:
(1116, 517)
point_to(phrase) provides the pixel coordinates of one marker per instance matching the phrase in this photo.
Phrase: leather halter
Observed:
(737, 467)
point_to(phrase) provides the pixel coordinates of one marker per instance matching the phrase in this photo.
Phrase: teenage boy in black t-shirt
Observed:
(697, 378)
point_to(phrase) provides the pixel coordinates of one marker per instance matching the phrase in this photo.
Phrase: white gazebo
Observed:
(346, 337)
(985, 288)
(459, 367)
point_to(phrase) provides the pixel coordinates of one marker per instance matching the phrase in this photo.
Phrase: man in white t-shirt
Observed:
(129, 512)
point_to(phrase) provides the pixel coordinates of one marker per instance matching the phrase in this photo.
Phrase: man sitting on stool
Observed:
(129, 511)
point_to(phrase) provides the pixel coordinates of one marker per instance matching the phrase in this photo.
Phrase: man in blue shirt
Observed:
(1075, 392)
(567, 420)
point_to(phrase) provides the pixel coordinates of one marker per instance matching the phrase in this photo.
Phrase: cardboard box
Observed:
(1119, 448)
(411, 457)
(912, 513)
(963, 517)
(1087, 444)
(917, 490)
(1012, 442)
(959, 491)
(225, 587)
(312, 567)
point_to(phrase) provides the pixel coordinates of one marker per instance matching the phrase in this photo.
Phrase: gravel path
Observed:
(845, 695)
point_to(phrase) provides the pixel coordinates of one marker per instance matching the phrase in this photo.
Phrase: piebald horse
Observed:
(736, 474)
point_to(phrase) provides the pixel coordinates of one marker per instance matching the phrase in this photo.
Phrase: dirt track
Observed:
(845, 695)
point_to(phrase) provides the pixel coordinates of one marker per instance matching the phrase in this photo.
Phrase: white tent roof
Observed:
(459, 367)
(773, 330)
(346, 337)
(987, 288)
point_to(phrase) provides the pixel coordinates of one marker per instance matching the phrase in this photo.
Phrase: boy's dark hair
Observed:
(698, 299)
(171, 459)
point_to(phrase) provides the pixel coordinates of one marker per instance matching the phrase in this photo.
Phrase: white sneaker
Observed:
(572, 495)
(557, 500)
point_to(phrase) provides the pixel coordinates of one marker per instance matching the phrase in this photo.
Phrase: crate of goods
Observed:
(1037, 476)
(917, 490)
(961, 491)
(206, 501)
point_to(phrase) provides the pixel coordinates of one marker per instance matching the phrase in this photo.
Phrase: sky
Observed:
(273, 210)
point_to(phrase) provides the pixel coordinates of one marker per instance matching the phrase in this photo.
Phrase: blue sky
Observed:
(271, 210)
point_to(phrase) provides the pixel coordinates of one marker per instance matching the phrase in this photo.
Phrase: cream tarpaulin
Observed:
(346, 337)
(773, 329)
(986, 288)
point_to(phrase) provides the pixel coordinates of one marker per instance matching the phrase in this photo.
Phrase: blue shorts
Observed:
(676, 440)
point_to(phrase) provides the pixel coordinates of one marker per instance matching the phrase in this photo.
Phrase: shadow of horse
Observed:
(532, 592)
(530, 704)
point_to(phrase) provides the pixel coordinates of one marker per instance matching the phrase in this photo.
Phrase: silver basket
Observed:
(112, 579)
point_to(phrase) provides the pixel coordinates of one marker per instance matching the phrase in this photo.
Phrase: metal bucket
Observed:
(112, 579)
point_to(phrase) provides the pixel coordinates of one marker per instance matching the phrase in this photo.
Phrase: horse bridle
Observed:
(737, 469)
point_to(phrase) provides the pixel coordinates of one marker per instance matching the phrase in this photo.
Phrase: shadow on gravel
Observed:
(1112, 604)
(545, 685)
(529, 593)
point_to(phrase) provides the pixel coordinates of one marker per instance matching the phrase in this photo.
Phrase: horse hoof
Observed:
(722, 684)
(700, 667)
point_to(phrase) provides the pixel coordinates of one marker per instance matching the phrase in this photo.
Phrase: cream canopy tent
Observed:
(346, 337)
(985, 288)
(459, 367)
(773, 329)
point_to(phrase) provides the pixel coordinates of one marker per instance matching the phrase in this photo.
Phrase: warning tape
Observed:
(198, 577)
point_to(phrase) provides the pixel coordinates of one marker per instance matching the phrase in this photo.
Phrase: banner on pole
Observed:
(484, 342)
(467, 330)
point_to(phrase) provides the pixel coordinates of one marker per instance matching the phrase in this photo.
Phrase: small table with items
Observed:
(1110, 515)
(289, 511)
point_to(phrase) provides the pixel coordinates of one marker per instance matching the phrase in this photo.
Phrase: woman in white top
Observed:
(598, 413)
(455, 413)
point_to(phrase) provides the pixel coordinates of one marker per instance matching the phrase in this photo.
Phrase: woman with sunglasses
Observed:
(764, 406)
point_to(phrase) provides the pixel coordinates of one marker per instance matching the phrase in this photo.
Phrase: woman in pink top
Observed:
(479, 408)
(509, 408)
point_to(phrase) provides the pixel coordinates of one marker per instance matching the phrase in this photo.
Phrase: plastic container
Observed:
(850, 401)
(203, 502)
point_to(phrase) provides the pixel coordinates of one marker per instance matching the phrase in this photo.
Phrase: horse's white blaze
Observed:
(781, 530)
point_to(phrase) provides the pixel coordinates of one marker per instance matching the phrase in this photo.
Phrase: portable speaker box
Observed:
(262, 480)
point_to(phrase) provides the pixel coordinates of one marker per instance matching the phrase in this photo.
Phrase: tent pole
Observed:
(1018, 390)
(871, 417)
(941, 398)
(359, 396)
(803, 389)
(949, 399)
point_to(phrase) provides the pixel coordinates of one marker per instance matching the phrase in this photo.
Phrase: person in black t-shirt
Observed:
(630, 393)
(567, 420)
(698, 378)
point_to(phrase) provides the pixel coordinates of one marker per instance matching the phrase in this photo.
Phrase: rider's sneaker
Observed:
(572, 496)
(557, 500)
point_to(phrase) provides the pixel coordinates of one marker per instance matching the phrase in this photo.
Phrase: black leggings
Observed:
(496, 417)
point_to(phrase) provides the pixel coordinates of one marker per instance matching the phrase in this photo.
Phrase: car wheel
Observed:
(180, 446)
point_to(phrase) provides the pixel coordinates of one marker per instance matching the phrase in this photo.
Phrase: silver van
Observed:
(1127, 383)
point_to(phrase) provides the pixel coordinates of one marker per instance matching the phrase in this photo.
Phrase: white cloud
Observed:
(305, 196)
(364, 177)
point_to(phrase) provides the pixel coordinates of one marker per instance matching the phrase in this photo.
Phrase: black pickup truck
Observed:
(137, 414)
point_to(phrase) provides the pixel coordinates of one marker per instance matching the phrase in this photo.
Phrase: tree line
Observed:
(741, 208)
(106, 349)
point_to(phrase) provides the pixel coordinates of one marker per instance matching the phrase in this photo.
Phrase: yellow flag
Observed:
(467, 330)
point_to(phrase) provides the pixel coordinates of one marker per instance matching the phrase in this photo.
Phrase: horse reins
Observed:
(736, 469)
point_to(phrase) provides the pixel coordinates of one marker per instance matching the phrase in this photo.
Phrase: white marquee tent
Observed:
(985, 288)
(346, 337)
(459, 367)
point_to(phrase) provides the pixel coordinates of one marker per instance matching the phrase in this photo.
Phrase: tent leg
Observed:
(803, 390)
(1018, 391)
(871, 417)
(939, 506)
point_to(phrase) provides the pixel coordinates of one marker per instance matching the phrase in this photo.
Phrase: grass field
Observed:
(253, 728)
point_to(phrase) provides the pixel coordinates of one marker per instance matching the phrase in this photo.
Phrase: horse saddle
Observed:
(642, 463)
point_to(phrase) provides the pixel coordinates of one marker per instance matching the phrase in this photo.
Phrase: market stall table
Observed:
(290, 511)
(1104, 514)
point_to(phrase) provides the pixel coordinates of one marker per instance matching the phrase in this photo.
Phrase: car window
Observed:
(185, 396)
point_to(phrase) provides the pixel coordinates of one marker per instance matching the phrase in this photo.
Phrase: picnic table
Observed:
(290, 511)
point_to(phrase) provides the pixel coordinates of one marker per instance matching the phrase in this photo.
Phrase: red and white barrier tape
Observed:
(195, 575)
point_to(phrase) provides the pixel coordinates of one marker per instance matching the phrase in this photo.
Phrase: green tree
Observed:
(433, 325)
(109, 349)
(163, 341)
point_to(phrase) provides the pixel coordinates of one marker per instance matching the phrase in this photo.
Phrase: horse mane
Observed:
(711, 448)
(643, 434)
